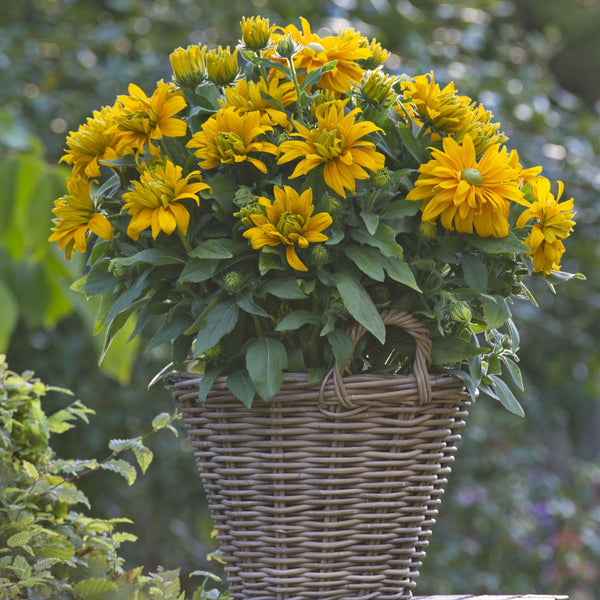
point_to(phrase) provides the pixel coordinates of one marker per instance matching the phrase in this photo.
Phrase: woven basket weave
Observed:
(330, 490)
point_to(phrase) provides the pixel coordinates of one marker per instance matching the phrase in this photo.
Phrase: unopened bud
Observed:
(461, 312)
(319, 255)
(286, 48)
(232, 282)
(427, 230)
(382, 178)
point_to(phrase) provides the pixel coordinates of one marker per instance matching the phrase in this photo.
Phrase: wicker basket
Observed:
(329, 491)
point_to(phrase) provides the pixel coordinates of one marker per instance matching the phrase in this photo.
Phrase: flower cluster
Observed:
(268, 196)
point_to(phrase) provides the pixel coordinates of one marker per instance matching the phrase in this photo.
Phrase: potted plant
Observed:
(268, 213)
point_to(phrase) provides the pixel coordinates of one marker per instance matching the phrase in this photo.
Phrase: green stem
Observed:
(296, 86)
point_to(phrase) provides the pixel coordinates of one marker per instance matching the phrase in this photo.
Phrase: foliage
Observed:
(49, 549)
(173, 227)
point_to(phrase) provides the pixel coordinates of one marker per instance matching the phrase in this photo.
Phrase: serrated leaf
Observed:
(21, 538)
(505, 396)
(70, 495)
(143, 455)
(120, 445)
(122, 467)
(123, 536)
(359, 304)
(30, 469)
(94, 588)
(57, 548)
(266, 359)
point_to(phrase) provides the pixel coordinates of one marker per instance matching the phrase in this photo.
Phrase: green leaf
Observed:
(400, 271)
(58, 548)
(384, 239)
(210, 249)
(492, 245)
(359, 304)
(240, 385)
(143, 455)
(286, 289)
(206, 383)
(70, 495)
(514, 371)
(161, 421)
(248, 305)
(269, 259)
(297, 319)
(196, 270)
(313, 76)
(122, 467)
(10, 315)
(170, 330)
(475, 272)
(94, 588)
(30, 469)
(154, 256)
(367, 260)
(215, 321)
(506, 397)
(401, 208)
(341, 346)
(371, 220)
(21, 538)
(266, 359)
(449, 350)
(495, 312)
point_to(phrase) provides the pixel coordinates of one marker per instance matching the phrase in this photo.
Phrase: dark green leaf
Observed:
(493, 245)
(206, 383)
(401, 208)
(154, 256)
(400, 271)
(196, 271)
(506, 397)
(297, 319)
(367, 260)
(450, 350)
(286, 289)
(475, 272)
(211, 249)
(240, 385)
(371, 221)
(341, 346)
(495, 312)
(266, 359)
(217, 320)
(359, 304)
(170, 330)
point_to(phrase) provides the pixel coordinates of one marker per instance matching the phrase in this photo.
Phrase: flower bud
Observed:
(427, 230)
(221, 65)
(116, 269)
(256, 33)
(376, 88)
(461, 312)
(188, 65)
(378, 55)
(232, 282)
(214, 352)
(382, 178)
(319, 255)
(286, 47)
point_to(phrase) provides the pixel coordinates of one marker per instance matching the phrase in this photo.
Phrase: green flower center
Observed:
(328, 144)
(290, 225)
(229, 145)
(473, 176)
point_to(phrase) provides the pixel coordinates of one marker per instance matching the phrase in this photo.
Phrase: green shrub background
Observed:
(522, 511)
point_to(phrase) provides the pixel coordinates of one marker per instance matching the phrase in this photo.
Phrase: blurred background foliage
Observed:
(522, 511)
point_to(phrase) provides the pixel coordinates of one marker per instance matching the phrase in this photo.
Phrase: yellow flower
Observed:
(249, 96)
(553, 223)
(377, 54)
(336, 143)
(75, 216)
(256, 33)
(91, 144)
(188, 65)
(376, 87)
(229, 137)
(465, 193)
(347, 49)
(288, 220)
(527, 176)
(221, 65)
(155, 200)
(143, 119)
(445, 112)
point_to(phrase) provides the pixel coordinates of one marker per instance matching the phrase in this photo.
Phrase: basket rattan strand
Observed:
(329, 491)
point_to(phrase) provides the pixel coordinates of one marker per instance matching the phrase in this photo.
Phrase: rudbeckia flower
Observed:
(76, 215)
(289, 220)
(553, 223)
(336, 143)
(465, 193)
(229, 137)
(155, 200)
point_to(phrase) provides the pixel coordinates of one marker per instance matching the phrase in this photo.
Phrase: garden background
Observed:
(522, 511)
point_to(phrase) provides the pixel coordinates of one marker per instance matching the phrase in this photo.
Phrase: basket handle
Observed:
(417, 330)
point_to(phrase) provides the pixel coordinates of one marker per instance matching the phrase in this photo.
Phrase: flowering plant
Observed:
(268, 196)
